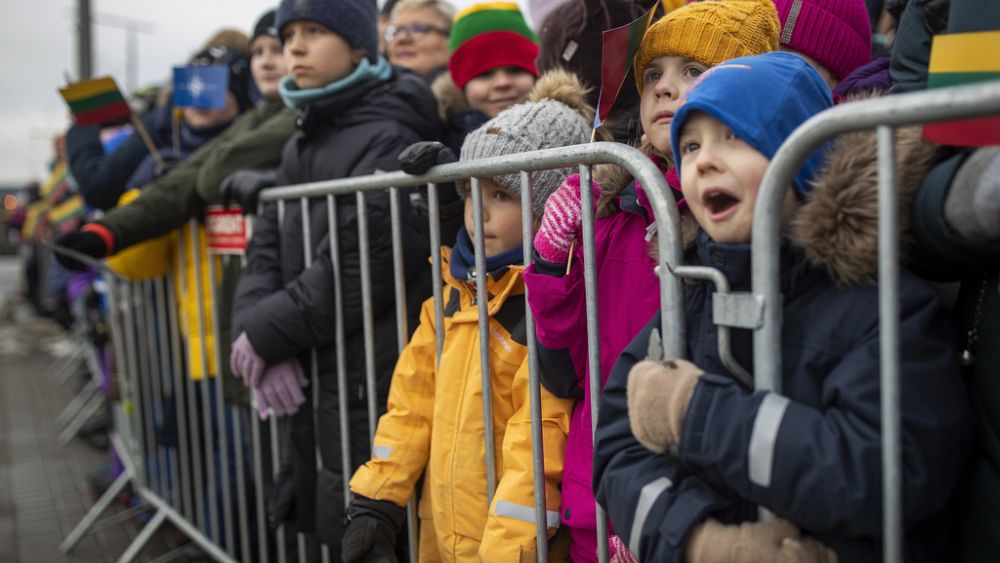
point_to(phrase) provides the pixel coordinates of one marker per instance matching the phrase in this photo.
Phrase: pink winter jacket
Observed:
(628, 297)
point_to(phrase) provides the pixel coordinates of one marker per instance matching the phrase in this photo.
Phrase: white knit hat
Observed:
(556, 116)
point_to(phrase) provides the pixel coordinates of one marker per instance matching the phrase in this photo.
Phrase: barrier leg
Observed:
(94, 402)
(70, 364)
(95, 511)
(140, 541)
(76, 403)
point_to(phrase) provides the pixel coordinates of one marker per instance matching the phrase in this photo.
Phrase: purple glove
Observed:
(245, 363)
(561, 221)
(281, 389)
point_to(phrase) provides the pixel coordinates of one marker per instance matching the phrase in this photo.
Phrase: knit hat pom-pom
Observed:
(563, 87)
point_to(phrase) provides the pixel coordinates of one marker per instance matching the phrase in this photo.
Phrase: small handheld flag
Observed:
(964, 58)
(201, 86)
(95, 101)
(619, 47)
(98, 101)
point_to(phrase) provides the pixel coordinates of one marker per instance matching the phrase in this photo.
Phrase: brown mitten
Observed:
(658, 397)
(773, 541)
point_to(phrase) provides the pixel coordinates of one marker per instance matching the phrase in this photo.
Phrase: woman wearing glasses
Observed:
(417, 36)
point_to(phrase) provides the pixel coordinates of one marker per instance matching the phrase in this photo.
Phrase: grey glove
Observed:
(972, 206)
(244, 186)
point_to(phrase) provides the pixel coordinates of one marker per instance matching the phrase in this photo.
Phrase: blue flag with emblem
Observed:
(202, 86)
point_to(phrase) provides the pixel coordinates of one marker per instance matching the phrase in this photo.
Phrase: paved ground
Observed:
(43, 488)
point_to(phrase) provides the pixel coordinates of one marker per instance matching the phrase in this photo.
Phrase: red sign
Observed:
(226, 230)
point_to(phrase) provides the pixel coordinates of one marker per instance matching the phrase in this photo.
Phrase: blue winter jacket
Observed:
(812, 454)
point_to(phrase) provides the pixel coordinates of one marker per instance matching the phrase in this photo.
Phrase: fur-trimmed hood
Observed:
(451, 100)
(837, 226)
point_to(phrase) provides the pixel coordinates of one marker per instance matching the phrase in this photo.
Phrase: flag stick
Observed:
(146, 139)
(572, 245)
(176, 129)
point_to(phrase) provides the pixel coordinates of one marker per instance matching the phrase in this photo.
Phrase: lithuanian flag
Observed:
(964, 58)
(618, 48)
(95, 101)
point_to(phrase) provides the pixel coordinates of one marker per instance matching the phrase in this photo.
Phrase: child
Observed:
(491, 67)
(834, 37)
(435, 424)
(673, 53)
(355, 114)
(683, 456)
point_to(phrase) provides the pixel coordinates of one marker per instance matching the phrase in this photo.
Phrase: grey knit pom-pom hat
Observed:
(556, 115)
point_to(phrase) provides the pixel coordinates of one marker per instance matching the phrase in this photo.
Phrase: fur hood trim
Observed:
(451, 100)
(837, 227)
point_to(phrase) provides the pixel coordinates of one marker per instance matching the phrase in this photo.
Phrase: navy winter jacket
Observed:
(812, 454)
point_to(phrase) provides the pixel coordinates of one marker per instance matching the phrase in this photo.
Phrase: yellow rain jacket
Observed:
(162, 255)
(455, 522)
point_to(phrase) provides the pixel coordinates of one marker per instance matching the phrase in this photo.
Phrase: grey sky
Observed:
(37, 51)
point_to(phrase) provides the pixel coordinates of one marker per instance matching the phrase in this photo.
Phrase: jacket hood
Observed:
(837, 227)
(404, 99)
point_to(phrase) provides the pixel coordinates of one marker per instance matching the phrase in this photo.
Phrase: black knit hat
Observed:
(265, 26)
(239, 70)
(354, 20)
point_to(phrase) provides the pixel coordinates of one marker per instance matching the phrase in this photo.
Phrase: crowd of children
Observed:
(684, 454)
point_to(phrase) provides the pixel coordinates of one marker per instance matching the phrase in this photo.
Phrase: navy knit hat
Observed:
(763, 99)
(265, 26)
(354, 20)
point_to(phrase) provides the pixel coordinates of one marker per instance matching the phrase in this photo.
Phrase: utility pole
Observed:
(84, 45)
(132, 28)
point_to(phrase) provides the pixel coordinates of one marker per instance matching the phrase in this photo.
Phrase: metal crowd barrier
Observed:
(761, 309)
(181, 481)
(188, 483)
(581, 155)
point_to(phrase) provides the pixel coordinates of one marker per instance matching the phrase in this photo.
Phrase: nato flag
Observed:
(202, 86)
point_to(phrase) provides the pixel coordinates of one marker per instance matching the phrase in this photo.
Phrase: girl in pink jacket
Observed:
(669, 60)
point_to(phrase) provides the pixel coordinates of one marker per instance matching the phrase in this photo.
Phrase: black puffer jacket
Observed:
(287, 308)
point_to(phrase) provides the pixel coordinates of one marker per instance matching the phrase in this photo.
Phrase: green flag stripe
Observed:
(477, 23)
(945, 79)
(95, 102)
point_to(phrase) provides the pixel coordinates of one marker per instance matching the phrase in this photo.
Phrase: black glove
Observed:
(418, 158)
(84, 242)
(372, 529)
(244, 186)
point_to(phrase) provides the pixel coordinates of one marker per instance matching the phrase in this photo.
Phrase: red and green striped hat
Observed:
(487, 36)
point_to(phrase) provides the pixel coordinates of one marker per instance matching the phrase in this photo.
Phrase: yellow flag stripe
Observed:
(966, 52)
(87, 88)
(506, 6)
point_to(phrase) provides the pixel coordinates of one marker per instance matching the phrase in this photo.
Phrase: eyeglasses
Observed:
(415, 30)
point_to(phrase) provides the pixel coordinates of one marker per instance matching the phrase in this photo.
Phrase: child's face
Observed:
(267, 64)
(316, 56)
(720, 178)
(497, 89)
(664, 81)
(501, 217)
(204, 118)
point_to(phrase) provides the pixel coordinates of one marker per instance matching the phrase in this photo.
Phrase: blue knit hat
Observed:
(763, 99)
(354, 20)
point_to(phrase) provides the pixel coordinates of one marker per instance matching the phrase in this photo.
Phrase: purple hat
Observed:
(836, 33)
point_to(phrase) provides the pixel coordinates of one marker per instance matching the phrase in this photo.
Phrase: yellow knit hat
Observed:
(710, 32)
